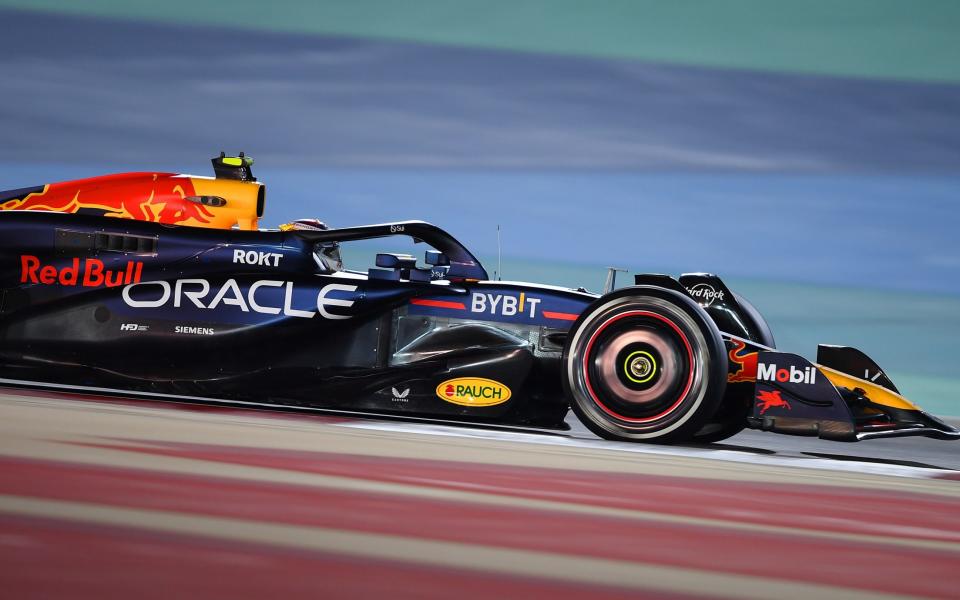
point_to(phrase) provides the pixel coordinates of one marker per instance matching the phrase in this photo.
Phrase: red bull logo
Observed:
(743, 365)
(156, 197)
(768, 400)
(92, 272)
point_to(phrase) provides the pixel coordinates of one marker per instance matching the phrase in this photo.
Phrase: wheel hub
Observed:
(640, 366)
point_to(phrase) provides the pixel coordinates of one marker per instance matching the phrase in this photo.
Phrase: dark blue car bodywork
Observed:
(255, 316)
(272, 317)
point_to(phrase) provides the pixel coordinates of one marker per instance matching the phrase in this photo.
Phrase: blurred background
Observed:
(808, 152)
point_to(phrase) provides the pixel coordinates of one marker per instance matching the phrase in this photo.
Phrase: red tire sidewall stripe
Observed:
(586, 371)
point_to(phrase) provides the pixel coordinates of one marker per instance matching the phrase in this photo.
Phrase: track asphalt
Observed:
(114, 498)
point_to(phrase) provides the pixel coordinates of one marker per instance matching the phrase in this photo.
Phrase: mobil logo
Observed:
(770, 372)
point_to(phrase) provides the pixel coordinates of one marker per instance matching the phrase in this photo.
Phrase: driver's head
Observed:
(304, 225)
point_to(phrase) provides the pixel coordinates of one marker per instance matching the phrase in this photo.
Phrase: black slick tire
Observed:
(644, 364)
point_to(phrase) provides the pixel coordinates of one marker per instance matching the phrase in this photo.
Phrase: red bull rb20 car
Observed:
(161, 284)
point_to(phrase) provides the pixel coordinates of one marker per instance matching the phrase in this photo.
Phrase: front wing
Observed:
(844, 396)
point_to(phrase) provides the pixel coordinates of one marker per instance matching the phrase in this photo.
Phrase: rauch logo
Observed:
(473, 391)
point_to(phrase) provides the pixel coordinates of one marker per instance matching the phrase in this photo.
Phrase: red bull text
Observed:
(91, 272)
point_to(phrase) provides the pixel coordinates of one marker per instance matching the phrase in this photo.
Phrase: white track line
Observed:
(852, 466)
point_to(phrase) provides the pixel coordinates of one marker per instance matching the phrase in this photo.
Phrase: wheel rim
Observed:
(638, 366)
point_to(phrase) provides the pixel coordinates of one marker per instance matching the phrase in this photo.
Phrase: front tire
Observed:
(644, 364)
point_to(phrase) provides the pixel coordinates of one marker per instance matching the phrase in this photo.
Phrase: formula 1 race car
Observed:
(161, 285)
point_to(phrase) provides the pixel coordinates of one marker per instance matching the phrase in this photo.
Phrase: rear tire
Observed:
(644, 364)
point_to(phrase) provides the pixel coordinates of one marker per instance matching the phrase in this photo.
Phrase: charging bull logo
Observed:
(768, 400)
(156, 197)
(746, 363)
